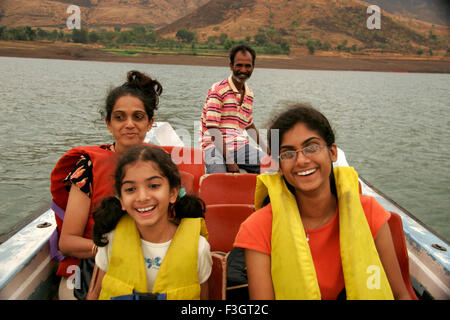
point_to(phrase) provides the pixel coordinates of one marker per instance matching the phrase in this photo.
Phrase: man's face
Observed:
(242, 67)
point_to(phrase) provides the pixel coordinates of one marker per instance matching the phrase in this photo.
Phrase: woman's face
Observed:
(129, 123)
(308, 173)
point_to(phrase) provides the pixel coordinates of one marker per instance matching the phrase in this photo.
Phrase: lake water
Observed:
(393, 127)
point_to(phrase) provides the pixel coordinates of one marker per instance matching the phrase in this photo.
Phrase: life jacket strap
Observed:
(141, 296)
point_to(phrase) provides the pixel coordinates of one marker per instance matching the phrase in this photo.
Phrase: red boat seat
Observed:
(223, 222)
(217, 281)
(189, 160)
(228, 188)
(398, 237)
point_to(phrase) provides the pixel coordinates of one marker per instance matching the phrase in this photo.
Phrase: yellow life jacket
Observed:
(177, 275)
(292, 268)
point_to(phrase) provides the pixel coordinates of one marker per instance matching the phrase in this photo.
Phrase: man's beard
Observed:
(240, 80)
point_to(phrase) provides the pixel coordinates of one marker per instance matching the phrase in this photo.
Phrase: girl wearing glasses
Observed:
(314, 236)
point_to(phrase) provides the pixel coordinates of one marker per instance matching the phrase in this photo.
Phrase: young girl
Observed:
(318, 238)
(141, 249)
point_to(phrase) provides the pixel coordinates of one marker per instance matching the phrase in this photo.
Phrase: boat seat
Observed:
(189, 160)
(187, 181)
(228, 188)
(223, 222)
(398, 237)
(217, 281)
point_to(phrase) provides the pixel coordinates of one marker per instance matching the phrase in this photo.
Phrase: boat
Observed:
(27, 270)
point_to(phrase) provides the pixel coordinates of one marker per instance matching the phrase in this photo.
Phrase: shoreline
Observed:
(378, 63)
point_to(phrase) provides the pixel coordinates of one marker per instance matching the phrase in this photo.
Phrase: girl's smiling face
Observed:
(311, 173)
(146, 194)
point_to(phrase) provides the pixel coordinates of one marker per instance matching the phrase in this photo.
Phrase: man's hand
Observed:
(232, 167)
(254, 134)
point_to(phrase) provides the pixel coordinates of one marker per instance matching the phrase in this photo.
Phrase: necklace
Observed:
(321, 223)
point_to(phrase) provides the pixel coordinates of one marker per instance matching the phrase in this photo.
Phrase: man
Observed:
(227, 112)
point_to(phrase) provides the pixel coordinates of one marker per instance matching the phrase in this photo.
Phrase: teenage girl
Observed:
(141, 249)
(318, 238)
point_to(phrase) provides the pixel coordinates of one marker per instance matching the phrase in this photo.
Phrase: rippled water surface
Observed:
(393, 127)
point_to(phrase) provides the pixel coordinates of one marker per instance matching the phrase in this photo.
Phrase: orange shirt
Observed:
(255, 233)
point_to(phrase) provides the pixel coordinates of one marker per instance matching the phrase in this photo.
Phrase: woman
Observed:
(317, 238)
(84, 174)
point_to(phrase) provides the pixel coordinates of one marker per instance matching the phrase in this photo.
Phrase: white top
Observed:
(154, 254)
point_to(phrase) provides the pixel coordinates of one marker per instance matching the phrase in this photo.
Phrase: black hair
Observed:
(109, 212)
(304, 113)
(242, 48)
(139, 85)
(313, 119)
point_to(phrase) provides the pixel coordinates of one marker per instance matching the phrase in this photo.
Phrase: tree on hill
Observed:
(79, 36)
(93, 36)
(31, 34)
(260, 39)
(185, 35)
(223, 37)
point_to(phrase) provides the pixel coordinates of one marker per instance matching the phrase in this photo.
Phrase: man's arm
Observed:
(254, 134)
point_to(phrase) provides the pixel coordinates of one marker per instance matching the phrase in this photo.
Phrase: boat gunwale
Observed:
(19, 245)
(405, 211)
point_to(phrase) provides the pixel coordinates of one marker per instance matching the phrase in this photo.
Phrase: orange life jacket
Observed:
(103, 166)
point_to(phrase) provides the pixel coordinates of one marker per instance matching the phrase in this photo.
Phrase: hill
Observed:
(297, 27)
(102, 13)
(434, 11)
(311, 25)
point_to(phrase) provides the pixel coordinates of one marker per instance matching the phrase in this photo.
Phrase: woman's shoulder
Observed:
(371, 205)
(376, 214)
(92, 150)
(86, 149)
(73, 155)
(256, 231)
(261, 216)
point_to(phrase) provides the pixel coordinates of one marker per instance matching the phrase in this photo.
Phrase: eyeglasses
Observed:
(308, 152)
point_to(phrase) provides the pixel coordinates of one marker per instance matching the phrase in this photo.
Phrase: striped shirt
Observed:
(223, 110)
